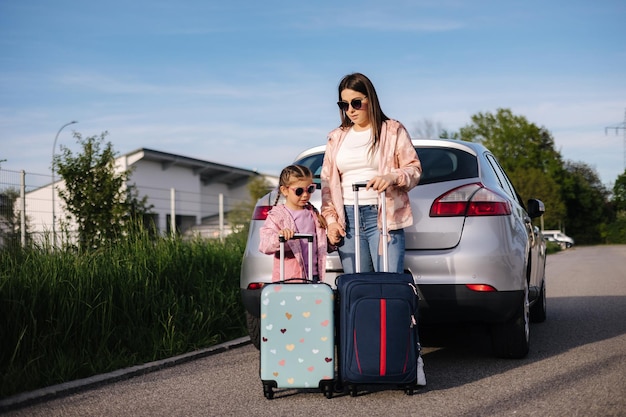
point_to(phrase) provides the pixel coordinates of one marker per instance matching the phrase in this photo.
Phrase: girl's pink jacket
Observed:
(397, 156)
(279, 218)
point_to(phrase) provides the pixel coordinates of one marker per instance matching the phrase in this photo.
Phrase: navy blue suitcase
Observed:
(378, 340)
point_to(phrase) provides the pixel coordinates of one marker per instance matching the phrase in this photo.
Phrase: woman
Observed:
(367, 147)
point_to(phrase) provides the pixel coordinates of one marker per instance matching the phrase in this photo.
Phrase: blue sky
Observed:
(251, 83)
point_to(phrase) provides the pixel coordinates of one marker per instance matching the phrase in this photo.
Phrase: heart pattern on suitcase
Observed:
(297, 334)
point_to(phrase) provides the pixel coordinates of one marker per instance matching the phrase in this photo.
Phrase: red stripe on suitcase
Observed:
(383, 337)
(356, 351)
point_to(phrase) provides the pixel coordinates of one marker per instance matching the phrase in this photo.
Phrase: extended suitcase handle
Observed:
(282, 240)
(306, 236)
(357, 234)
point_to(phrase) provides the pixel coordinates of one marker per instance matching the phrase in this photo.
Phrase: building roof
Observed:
(209, 172)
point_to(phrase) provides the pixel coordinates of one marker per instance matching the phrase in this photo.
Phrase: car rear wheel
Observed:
(538, 310)
(254, 329)
(511, 339)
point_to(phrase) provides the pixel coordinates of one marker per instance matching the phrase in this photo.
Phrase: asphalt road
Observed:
(576, 367)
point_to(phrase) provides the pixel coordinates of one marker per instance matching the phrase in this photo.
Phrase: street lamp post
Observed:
(54, 218)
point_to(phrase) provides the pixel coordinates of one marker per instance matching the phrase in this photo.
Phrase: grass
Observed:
(67, 315)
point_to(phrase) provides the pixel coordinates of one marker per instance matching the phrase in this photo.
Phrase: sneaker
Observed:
(421, 377)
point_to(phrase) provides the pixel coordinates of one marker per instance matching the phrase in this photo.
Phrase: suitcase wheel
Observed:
(353, 390)
(268, 392)
(338, 386)
(328, 389)
(410, 389)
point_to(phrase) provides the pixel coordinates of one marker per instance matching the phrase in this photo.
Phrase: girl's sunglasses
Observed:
(299, 191)
(356, 104)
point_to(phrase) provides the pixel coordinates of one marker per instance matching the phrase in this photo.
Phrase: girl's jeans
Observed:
(369, 239)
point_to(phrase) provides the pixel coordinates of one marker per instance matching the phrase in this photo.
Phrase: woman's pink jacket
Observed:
(397, 156)
(279, 218)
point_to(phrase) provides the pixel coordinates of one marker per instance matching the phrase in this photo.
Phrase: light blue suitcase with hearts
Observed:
(297, 334)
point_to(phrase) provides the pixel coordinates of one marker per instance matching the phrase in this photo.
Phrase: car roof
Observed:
(471, 147)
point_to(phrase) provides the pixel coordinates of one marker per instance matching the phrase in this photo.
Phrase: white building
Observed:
(191, 194)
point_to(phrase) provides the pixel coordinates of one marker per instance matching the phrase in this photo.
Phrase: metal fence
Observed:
(27, 201)
(14, 186)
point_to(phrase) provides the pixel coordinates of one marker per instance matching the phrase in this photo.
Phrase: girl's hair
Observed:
(359, 82)
(294, 173)
(290, 174)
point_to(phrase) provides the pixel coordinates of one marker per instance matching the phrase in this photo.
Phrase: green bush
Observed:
(615, 232)
(553, 247)
(68, 315)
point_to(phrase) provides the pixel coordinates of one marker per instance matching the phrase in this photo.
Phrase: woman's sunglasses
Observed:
(299, 191)
(356, 104)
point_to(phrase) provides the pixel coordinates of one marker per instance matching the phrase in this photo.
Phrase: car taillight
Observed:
(481, 287)
(256, 285)
(470, 200)
(260, 212)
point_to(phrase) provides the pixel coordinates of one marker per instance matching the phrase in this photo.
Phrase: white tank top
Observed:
(354, 165)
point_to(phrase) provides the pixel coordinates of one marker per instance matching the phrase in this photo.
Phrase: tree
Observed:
(615, 231)
(96, 195)
(528, 155)
(427, 129)
(446, 134)
(9, 219)
(619, 193)
(533, 183)
(516, 142)
(587, 203)
(239, 217)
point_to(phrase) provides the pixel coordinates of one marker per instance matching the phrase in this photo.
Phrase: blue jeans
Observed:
(369, 239)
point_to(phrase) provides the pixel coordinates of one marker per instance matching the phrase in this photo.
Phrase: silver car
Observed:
(559, 237)
(473, 250)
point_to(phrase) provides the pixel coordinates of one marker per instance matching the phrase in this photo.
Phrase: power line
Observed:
(617, 127)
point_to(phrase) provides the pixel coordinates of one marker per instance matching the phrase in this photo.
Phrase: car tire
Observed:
(512, 338)
(254, 329)
(538, 310)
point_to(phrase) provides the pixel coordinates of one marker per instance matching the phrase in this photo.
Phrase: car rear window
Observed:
(446, 164)
(314, 163)
(438, 165)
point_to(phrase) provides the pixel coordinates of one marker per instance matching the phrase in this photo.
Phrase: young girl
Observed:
(297, 215)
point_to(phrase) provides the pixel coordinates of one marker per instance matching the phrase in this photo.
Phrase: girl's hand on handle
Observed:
(287, 233)
(334, 233)
(381, 182)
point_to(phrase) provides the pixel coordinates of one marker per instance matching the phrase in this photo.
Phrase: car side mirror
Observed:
(536, 208)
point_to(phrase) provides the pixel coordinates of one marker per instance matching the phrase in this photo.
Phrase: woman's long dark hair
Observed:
(359, 82)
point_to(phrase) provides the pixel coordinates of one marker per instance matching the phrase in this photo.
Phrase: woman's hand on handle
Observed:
(381, 182)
